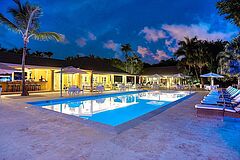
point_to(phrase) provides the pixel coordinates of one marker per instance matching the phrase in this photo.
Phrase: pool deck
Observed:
(176, 133)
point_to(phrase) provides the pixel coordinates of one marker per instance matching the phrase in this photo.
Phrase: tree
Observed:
(48, 54)
(185, 54)
(229, 59)
(26, 22)
(126, 48)
(230, 9)
(198, 56)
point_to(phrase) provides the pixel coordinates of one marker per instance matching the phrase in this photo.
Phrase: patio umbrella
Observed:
(5, 69)
(212, 76)
(156, 76)
(72, 70)
(180, 75)
(69, 70)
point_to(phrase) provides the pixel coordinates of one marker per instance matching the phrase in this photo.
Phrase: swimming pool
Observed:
(113, 109)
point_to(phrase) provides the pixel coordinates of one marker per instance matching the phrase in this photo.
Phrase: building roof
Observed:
(86, 63)
(95, 64)
(168, 70)
(14, 58)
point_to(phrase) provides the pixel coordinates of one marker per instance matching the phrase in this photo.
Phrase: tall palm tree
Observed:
(186, 53)
(126, 48)
(229, 59)
(26, 23)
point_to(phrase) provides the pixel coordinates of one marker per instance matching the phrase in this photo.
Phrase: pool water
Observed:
(113, 109)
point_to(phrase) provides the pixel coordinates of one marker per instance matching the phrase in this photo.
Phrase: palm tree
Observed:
(26, 23)
(229, 59)
(126, 48)
(230, 9)
(48, 54)
(186, 53)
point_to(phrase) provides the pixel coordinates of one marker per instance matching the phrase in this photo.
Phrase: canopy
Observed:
(72, 70)
(212, 75)
(180, 75)
(156, 76)
(4, 69)
(69, 70)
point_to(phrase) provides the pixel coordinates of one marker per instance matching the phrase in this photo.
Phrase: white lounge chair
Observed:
(217, 110)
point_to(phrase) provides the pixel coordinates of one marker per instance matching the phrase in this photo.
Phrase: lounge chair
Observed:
(217, 110)
(224, 103)
(229, 93)
(216, 99)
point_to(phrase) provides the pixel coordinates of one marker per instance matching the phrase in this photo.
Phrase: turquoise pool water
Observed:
(113, 109)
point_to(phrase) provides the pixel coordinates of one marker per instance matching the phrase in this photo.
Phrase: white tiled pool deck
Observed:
(28, 133)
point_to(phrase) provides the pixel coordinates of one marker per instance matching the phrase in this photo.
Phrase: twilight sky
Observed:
(98, 27)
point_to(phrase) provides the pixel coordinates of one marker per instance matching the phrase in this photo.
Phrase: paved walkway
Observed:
(27, 133)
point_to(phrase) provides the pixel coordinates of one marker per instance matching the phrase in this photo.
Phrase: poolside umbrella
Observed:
(212, 76)
(156, 76)
(72, 70)
(4, 69)
(180, 75)
(69, 70)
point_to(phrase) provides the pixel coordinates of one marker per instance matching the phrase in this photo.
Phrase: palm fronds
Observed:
(7, 22)
(44, 36)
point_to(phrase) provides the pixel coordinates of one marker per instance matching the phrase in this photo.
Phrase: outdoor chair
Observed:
(216, 110)
(100, 88)
(215, 103)
(74, 90)
(122, 87)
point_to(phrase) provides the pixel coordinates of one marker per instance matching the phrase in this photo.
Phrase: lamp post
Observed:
(61, 82)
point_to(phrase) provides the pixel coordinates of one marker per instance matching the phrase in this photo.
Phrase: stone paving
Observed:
(177, 133)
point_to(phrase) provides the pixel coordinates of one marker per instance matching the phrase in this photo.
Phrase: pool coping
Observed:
(108, 128)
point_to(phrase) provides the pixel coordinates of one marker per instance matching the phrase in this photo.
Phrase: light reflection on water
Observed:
(118, 109)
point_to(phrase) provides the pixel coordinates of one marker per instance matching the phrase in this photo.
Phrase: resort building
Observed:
(166, 77)
(43, 74)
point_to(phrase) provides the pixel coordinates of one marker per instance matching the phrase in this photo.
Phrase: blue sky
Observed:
(98, 27)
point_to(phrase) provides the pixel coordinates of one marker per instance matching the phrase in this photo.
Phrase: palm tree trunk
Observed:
(239, 81)
(24, 90)
(196, 72)
(126, 58)
(201, 79)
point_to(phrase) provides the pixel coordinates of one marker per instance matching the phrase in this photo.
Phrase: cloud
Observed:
(91, 36)
(171, 45)
(152, 34)
(201, 30)
(143, 51)
(116, 47)
(81, 42)
(110, 44)
(161, 55)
